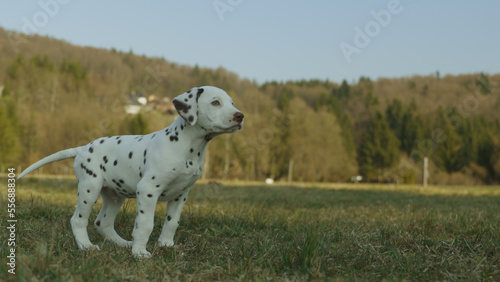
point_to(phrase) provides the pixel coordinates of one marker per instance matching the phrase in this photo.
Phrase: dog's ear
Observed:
(186, 104)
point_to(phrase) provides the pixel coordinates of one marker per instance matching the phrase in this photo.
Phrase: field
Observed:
(244, 231)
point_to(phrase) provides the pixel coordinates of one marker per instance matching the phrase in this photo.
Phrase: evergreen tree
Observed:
(138, 125)
(378, 149)
(447, 155)
(394, 114)
(9, 129)
(405, 123)
(280, 150)
(342, 92)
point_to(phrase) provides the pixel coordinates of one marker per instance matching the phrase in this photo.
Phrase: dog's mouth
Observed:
(231, 128)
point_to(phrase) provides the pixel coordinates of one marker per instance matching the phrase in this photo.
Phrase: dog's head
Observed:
(210, 108)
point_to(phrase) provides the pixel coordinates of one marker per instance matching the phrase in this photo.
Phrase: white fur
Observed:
(160, 166)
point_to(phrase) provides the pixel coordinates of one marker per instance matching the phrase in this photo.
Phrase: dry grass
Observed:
(239, 231)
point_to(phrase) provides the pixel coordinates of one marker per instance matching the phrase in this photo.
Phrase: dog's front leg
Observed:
(146, 204)
(174, 209)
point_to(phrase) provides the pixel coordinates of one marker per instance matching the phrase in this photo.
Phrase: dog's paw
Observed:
(124, 244)
(165, 243)
(141, 254)
(89, 247)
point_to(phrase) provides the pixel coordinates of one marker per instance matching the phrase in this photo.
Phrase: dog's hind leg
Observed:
(105, 221)
(88, 194)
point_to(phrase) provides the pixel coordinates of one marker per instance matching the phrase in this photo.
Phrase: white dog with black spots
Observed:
(160, 166)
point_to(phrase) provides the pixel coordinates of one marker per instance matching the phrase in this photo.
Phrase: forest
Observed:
(55, 95)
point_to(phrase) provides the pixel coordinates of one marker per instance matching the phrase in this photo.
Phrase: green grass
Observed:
(254, 232)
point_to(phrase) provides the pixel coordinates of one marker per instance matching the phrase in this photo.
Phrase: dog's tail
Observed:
(59, 156)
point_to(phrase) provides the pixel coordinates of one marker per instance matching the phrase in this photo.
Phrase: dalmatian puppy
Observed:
(160, 166)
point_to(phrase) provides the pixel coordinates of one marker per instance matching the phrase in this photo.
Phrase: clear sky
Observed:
(281, 40)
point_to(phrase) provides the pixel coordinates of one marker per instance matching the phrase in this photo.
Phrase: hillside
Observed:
(57, 95)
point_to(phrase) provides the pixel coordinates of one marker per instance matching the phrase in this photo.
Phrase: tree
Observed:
(138, 125)
(378, 149)
(341, 92)
(9, 129)
(405, 123)
(447, 156)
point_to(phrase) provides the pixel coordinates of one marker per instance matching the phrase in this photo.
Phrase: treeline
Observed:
(56, 96)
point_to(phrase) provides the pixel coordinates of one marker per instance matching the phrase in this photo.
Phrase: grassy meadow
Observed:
(245, 231)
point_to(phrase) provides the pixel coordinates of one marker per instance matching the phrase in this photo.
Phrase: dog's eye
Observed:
(215, 103)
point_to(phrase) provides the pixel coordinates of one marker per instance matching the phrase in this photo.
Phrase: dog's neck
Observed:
(196, 136)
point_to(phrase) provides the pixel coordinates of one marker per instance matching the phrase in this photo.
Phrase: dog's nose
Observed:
(238, 116)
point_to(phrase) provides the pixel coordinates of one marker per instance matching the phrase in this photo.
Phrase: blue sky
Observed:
(281, 40)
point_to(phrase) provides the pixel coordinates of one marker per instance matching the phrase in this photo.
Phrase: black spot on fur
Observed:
(119, 141)
(140, 174)
(130, 155)
(190, 163)
(191, 150)
(199, 154)
(190, 118)
(150, 195)
(200, 90)
(105, 159)
(174, 138)
(158, 186)
(141, 211)
(153, 136)
(153, 178)
(80, 215)
(91, 150)
(184, 199)
(121, 181)
(88, 160)
(115, 163)
(102, 141)
(169, 218)
(98, 223)
(145, 152)
(181, 106)
(85, 202)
